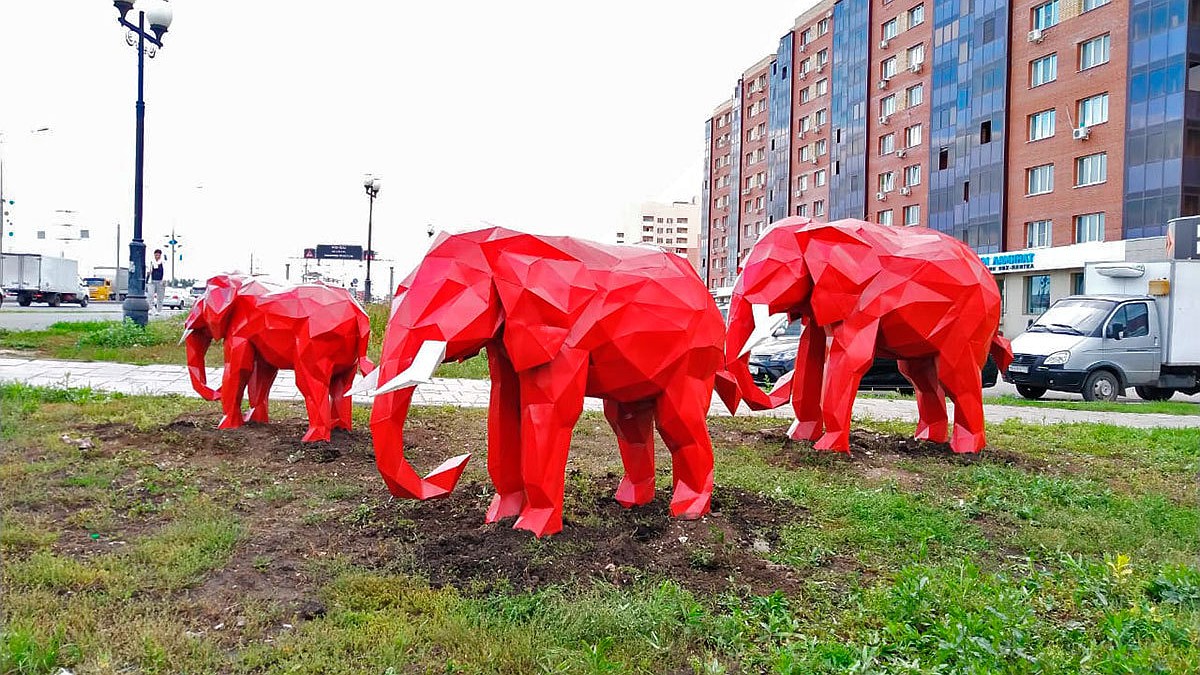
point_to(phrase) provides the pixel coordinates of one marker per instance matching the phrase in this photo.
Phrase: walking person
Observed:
(155, 277)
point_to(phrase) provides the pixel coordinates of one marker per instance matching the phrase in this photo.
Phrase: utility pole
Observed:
(173, 242)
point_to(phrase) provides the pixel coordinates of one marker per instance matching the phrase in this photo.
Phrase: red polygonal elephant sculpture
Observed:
(560, 319)
(316, 330)
(906, 293)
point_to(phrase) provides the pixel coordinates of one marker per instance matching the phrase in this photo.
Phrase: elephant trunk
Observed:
(388, 414)
(198, 341)
(742, 326)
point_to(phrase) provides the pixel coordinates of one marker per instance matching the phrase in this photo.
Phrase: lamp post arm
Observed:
(149, 37)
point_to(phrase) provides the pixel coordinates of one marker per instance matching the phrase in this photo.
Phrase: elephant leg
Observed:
(806, 384)
(551, 400)
(961, 377)
(313, 384)
(634, 425)
(259, 391)
(931, 399)
(239, 366)
(504, 437)
(341, 406)
(850, 358)
(682, 417)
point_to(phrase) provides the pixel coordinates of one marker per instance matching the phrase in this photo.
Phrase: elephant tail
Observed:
(1001, 352)
(365, 366)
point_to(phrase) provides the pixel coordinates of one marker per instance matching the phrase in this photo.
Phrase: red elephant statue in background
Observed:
(319, 331)
(561, 319)
(906, 293)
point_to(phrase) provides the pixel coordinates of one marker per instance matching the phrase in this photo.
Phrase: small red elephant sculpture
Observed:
(319, 331)
(906, 293)
(561, 319)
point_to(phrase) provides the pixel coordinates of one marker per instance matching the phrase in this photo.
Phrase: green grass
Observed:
(1159, 407)
(105, 341)
(1060, 549)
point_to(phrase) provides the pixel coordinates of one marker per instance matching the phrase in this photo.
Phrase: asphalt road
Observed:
(37, 316)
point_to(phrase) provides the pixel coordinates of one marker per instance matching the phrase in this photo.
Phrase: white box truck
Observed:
(41, 278)
(1138, 326)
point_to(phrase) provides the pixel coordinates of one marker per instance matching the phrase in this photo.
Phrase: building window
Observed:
(802, 182)
(912, 175)
(916, 53)
(1045, 15)
(1089, 227)
(805, 153)
(647, 219)
(985, 132)
(822, 87)
(802, 210)
(822, 147)
(1094, 52)
(821, 115)
(1093, 110)
(912, 136)
(819, 177)
(943, 158)
(1089, 5)
(916, 16)
(1091, 169)
(888, 68)
(1041, 125)
(805, 94)
(819, 208)
(1040, 179)
(887, 105)
(1037, 293)
(807, 36)
(912, 214)
(891, 29)
(41, 234)
(1043, 70)
(1037, 234)
(822, 57)
(885, 217)
(1077, 283)
(887, 144)
(681, 221)
(823, 26)
(887, 181)
(915, 95)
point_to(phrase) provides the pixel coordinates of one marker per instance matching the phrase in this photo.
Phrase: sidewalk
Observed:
(161, 380)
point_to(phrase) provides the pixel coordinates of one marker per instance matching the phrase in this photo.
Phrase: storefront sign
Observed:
(1008, 262)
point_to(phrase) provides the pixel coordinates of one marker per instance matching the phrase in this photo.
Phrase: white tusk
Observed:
(764, 327)
(428, 357)
(186, 333)
(363, 385)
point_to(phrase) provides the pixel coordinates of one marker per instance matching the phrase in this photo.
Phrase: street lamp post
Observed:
(158, 14)
(372, 185)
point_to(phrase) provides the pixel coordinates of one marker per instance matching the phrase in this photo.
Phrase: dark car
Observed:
(775, 357)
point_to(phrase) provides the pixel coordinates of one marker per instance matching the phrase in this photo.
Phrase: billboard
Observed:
(339, 252)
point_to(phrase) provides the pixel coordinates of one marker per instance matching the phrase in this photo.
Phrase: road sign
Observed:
(339, 252)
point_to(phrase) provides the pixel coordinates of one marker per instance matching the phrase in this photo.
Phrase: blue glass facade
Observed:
(779, 131)
(706, 202)
(848, 112)
(1162, 141)
(967, 135)
(734, 228)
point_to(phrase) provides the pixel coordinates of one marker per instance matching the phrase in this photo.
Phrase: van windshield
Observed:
(1077, 316)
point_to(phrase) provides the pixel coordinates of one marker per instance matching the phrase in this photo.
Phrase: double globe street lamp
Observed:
(372, 185)
(156, 13)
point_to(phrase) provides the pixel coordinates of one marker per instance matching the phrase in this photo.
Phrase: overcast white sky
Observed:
(263, 116)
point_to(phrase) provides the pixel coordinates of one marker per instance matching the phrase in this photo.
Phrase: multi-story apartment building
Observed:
(674, 226)
(1043, 133)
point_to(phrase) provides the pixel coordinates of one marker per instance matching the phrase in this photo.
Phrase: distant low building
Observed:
(675, 226)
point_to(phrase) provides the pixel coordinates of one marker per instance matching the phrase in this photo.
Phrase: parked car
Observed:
(776, 356)
(177, 298)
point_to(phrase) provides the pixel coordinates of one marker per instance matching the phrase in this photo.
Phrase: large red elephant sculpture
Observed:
(319, 331)
(907, 293)
(561, 319)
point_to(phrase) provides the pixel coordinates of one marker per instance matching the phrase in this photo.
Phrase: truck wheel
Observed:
(1154, 393)
(1031, 393)
(1101, 385)
(83, 300)
(55, 300)
(25, 300)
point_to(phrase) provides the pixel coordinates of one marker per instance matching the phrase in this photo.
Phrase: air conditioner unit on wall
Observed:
(883, 44)
(906, 191)
(881, 196)
(883, 84)
(914, 67)
(1081, 133)
(884, 119)
(1036, 35)
(901, 153)
(803, 47)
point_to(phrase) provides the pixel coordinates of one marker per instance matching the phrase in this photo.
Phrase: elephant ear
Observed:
(222, 291)
(544, 294)
(843, 261)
